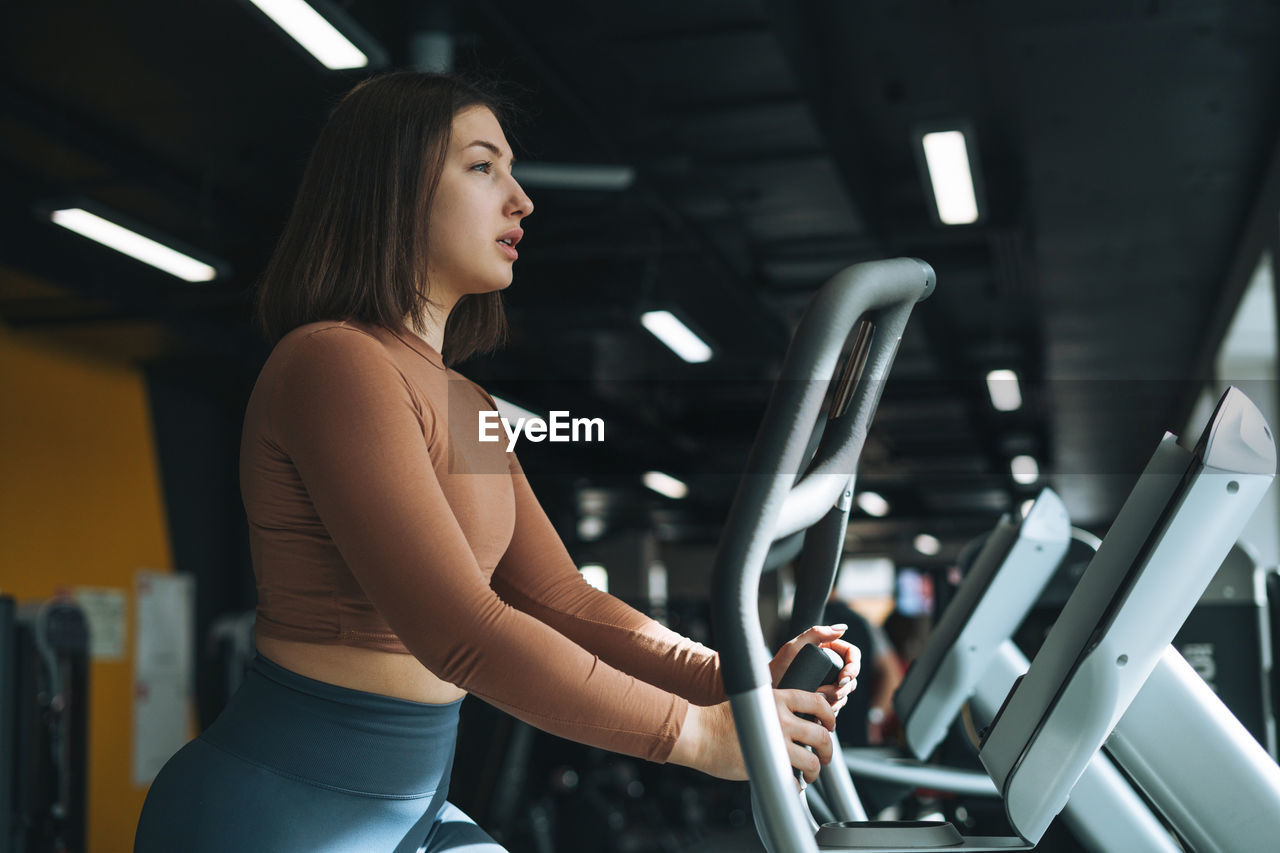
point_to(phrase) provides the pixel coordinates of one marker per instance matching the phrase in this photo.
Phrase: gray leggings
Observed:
(295, 764)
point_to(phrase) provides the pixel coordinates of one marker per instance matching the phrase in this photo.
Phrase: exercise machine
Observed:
(971, 660)
(1228, 640)
(1174, 530)
(44, 705)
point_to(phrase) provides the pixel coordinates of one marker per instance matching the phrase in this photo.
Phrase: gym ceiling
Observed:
(1126, 157)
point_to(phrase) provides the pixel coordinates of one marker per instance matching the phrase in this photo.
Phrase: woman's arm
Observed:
(538, 576)
(709, 741)
(347, 418)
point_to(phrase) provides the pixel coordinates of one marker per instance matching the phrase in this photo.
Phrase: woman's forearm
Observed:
(622, 636)
(688, 749)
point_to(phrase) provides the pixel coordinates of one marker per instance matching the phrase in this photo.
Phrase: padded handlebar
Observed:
(770, 502)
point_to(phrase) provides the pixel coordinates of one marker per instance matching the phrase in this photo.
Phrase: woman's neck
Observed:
(432, 328)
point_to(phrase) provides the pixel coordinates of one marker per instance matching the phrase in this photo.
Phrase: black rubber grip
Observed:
(812, 668)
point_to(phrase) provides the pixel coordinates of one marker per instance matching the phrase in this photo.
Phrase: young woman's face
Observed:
(477, 205)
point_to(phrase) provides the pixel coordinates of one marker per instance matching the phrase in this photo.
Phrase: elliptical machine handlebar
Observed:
(774, 500)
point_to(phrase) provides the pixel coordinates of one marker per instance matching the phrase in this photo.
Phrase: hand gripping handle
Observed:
(812, 668)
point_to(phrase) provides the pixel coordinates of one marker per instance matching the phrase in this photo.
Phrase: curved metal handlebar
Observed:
(768, 506)
(773, 501)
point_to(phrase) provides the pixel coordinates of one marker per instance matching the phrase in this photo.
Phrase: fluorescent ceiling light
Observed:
(317, 36)
(573, 176)
(512, 412)
(1025, 470)
(590, 527)
(1006, 396)
(677, 336)
(665, 485)
(947, 157)
(133, 244)
(657, 586)
(873, 503)
(596, 575)
(927, 545)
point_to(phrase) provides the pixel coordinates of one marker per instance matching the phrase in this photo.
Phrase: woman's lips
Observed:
(512, 239)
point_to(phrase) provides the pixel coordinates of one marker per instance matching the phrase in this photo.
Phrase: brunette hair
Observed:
(355, 245)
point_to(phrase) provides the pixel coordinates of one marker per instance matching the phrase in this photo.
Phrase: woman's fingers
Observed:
(836, 696)
(852, 657)
(812, 733)
(813, 704)
(818, 635)
(801, 734)
(804, 761)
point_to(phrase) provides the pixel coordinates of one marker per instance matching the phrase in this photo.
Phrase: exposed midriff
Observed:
(372, 671)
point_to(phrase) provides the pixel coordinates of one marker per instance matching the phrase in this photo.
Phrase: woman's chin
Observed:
(481, 288)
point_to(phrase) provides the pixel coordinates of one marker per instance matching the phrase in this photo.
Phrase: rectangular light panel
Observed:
(1002, 385)
(512, 412)
(947, 157)
(317, 36)
(665, 484)
(1025, 470)
(677, 336)
(133, 244)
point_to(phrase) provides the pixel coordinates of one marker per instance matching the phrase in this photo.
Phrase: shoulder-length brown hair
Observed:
(355, 244)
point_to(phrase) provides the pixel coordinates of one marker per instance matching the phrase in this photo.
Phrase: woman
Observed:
(401, 563)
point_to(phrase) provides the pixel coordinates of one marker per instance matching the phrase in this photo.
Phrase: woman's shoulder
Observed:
(339, 361)
(333, 350)
(329, 337)
(333, 333)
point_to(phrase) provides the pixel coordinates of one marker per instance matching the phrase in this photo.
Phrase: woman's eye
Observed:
(483, 167)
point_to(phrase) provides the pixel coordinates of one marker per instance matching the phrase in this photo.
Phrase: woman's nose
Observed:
(520, 201)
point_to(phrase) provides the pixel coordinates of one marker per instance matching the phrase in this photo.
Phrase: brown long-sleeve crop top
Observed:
(378, 519)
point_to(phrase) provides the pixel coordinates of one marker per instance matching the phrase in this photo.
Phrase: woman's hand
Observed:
(800, 733)
(709, 740)
(827, 637)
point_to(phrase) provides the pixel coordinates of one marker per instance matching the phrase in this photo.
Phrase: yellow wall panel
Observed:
(81, 504)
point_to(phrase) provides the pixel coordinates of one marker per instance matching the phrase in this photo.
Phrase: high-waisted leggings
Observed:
(293, 764)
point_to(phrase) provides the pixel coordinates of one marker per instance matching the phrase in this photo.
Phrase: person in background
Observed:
(908, 635)
(869, 709)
